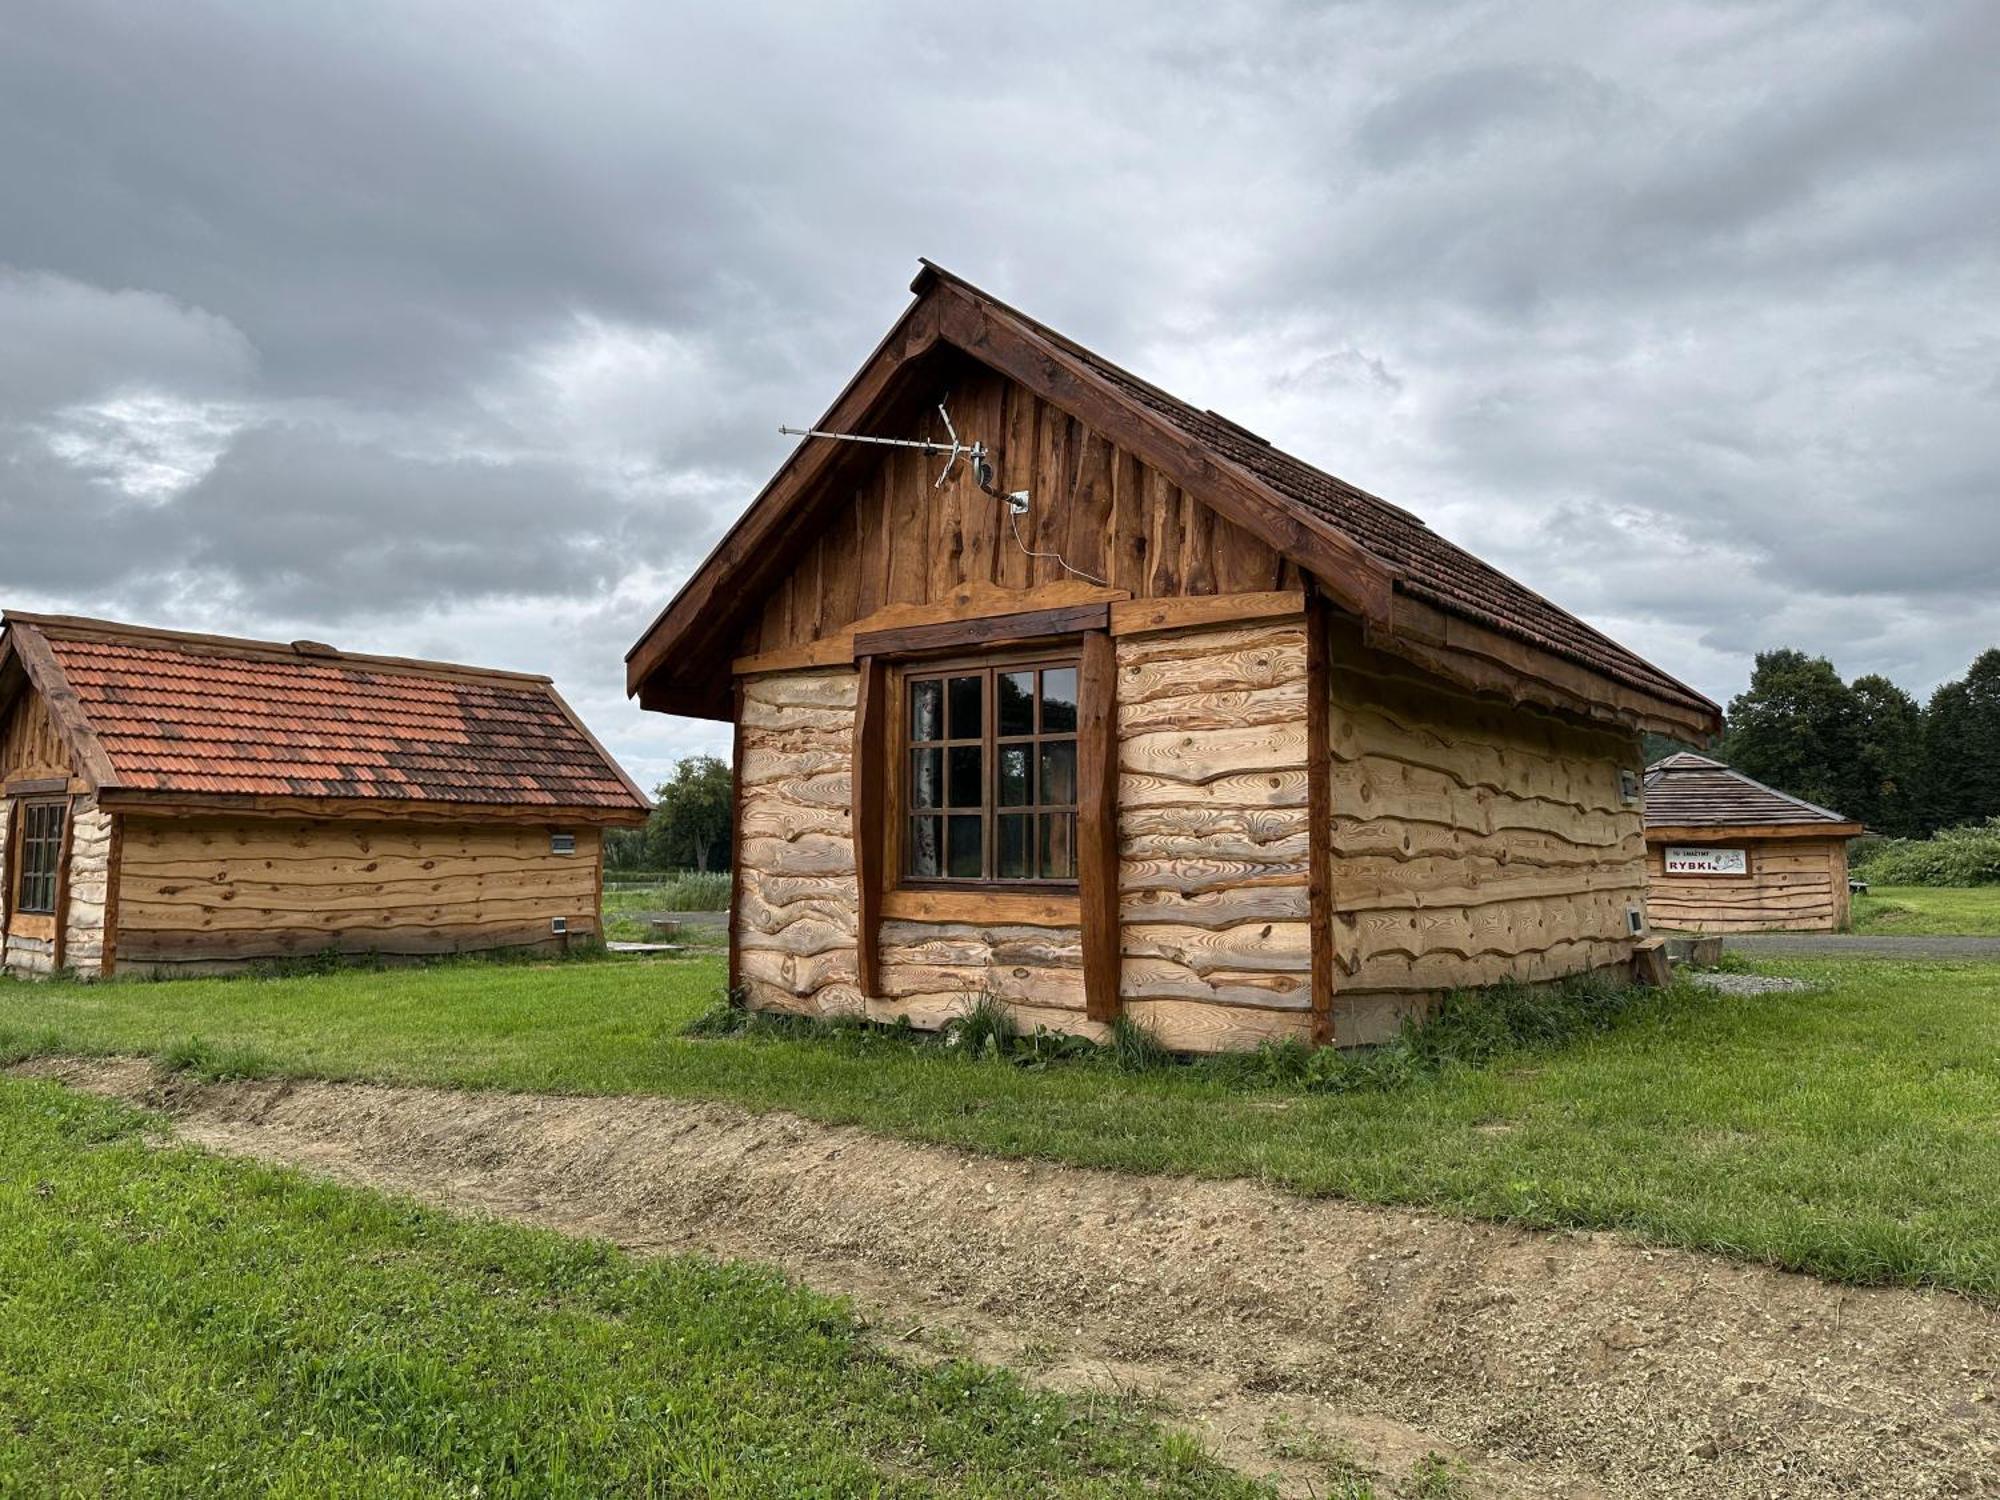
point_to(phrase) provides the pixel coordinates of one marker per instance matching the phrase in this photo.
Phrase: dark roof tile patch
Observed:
(1692, 791)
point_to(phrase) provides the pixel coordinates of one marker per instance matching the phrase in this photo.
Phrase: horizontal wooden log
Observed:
(1196, 612)
(182, 947)
(1003, 908)
(1229, 907)
(1275, 788)
(1225, 708)
(1199, 759)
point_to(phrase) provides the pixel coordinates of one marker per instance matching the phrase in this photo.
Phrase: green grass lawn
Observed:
(173, 1323)
(1853, 1131)
(1929, 911)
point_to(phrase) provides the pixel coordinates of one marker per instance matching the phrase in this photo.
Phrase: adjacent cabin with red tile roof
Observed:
(1725, 853)
(175, 803)
(1126, 712)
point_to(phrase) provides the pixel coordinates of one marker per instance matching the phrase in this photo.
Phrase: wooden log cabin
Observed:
(1725, 853)
(177, 804)
(1202, 736)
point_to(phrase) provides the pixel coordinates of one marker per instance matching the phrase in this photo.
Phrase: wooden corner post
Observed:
(869, 811)
(735, 850)
(1319, 813)
(1097, 824)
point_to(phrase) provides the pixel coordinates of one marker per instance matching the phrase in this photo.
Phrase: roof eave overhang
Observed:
(694, 628)
(174, 802)
(1711, 833)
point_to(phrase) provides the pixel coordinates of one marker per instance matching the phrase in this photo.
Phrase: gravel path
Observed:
(1835, 944)
(1555, 1365)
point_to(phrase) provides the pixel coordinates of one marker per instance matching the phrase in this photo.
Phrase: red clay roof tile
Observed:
(188, 714)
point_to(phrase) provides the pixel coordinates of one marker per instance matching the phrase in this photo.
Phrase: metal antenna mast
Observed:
(982, 471)
(982, 474)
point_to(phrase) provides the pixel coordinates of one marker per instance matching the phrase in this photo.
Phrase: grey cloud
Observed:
(466, 331)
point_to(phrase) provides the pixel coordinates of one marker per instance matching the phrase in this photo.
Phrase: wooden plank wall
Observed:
(29, 743)
(1794, 885)
(210, 892)
(1214, 854)
(1473, 841)
(900, 540)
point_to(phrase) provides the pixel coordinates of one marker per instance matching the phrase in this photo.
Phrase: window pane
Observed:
(927, 778)
(968, 780)
(1059, 846)
(1016, 707)
(1058, 773)
(1015, 790)
(41, 853)
(962, 860)
(966, 694)
(1015, 858)
(1059, 700)
(927, 710)
(925, 855)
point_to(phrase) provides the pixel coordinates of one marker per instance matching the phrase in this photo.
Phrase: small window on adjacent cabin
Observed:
(562, 843)
(989, 774)
(41, 856)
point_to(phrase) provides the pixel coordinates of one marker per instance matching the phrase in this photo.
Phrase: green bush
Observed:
(678, 890)
(1969, 855)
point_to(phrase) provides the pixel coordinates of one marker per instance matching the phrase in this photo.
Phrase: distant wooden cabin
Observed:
(1728, 854)
(1205, 737)
(174, 803)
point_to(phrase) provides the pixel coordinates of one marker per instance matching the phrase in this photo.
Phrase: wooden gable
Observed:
(31, 747)
(895, 537)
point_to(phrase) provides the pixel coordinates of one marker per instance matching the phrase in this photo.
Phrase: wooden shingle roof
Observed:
(1418, 594)
(1689, 791)
(158, 715)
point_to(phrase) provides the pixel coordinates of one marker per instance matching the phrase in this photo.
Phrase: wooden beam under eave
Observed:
(1710, 833)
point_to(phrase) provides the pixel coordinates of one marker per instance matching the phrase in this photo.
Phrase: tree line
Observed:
(1868, 749)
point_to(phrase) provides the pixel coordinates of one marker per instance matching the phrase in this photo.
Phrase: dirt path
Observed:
(1555, 1365)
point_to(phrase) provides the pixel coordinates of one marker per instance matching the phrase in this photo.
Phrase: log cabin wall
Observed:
(1214, 931)
(211, 894)
(793, 927)
(898, 539)
(1793, 885)
(1472, 841)
(1213, 836)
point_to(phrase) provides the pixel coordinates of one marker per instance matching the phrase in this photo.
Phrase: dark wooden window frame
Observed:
(28, 842)
(989, 666)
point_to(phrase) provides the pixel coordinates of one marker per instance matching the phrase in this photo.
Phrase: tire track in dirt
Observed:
(1572, 1365)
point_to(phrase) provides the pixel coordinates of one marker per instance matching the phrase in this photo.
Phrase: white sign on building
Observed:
(1703, 861)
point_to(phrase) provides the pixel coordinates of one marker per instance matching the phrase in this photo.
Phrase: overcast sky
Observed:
(466, 329)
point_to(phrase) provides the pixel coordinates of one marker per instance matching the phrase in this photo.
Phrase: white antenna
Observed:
(982, 474)
(982, 471)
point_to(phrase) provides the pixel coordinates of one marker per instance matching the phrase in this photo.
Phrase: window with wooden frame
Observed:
(38, 862)
(989, 773)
